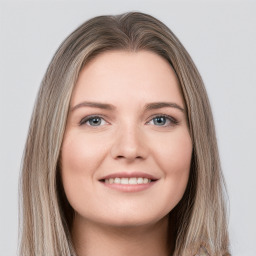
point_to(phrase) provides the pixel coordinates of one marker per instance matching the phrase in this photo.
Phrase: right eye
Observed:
(93, 121)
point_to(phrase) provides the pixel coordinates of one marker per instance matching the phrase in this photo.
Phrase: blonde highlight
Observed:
(201, 224)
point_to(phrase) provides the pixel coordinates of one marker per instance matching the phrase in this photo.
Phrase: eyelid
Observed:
(173, 120)
(87, 118)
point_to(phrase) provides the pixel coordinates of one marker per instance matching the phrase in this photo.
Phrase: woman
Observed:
(121, 156)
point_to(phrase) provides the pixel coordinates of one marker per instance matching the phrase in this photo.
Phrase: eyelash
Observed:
(171, 119)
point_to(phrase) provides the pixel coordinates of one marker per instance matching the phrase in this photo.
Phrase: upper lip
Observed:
(129, 175)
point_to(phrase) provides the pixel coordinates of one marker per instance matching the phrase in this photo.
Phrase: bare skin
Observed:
(126, 155)
(123, 241)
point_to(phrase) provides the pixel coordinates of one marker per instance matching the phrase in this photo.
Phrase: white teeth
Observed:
(116, 180)
(126, 181)
(145, 180)
(140, 180)
(133, 181)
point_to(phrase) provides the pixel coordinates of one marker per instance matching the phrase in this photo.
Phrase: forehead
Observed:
(135, 76)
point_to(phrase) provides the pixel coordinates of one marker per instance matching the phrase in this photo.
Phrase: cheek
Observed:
(175, 153)
(174, 158)
(80, 157)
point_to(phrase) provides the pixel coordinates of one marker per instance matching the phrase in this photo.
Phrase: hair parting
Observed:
(46, 216)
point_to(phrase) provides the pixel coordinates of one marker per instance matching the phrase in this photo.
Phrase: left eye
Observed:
(163, 121)
(93, 121)
(160, 120)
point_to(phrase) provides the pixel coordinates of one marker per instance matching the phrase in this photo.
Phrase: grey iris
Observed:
(160, 120)
(95, 121)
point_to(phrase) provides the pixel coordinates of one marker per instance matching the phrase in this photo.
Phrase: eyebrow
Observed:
(148, 106)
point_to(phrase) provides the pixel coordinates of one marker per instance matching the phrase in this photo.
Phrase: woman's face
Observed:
(126, 126)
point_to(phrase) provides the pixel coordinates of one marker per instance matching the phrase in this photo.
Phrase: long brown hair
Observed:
(200, 217)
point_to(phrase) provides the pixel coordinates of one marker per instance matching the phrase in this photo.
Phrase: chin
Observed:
(129, 220)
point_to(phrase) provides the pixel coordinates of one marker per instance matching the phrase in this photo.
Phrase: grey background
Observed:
(219, 35)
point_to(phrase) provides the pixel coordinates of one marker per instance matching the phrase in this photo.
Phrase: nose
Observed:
(130, 144)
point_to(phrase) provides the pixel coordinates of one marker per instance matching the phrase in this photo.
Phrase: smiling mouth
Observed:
(128, 181)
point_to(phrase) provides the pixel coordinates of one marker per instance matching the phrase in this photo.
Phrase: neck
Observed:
(92, 239)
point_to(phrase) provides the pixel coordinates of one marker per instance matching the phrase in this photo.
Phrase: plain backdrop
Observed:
(219, 35)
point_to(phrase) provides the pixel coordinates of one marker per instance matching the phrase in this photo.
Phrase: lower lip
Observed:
(128, 187)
